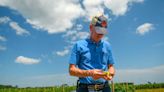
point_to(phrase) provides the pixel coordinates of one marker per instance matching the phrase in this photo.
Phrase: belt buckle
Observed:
(97, 87)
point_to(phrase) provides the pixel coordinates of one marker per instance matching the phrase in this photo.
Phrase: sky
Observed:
(36, 38)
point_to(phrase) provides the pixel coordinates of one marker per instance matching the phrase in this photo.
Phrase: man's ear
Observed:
(91, 27)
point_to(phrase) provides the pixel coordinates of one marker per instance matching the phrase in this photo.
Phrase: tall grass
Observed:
(118, 87)
(39, 89)
(150, 90)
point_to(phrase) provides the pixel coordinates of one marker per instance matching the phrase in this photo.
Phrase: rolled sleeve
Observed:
(110, 57)
(74, 58)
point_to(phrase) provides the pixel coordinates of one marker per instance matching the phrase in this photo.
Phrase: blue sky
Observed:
(36, 38)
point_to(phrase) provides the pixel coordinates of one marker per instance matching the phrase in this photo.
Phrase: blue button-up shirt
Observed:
(87, 55)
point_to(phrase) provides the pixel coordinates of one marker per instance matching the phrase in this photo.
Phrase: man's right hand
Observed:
(96, 74)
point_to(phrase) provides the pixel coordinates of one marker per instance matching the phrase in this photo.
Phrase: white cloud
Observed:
(4, 20)
(81, 35)
(63, 53)
(2, 38)
(2, 48)
(14, 25)
(138, 1)
(79, 27)
(59, 17)
(26, 60)
(19, 30)
(71, 37)
(53, 16)
(93, 7)
(120, 7)
(70, 33)
(144, 28)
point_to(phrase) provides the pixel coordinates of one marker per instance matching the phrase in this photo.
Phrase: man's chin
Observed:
(99, 37)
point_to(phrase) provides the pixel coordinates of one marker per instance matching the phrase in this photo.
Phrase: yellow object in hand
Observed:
(107, 73)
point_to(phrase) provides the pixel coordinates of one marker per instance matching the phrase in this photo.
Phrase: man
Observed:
(91, 57)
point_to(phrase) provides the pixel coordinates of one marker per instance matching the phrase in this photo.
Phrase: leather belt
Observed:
(96, 87)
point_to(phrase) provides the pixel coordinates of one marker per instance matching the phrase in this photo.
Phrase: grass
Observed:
(40, 89)
(67, 90)
(119, 87)
(151, 90)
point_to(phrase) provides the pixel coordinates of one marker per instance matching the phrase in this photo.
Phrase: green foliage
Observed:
(150, 86)
(124, 87)
(39, 89)
(119, 87)
(150, 90)
(130, 87)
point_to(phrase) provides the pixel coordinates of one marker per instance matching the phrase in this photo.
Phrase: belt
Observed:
(96, 87)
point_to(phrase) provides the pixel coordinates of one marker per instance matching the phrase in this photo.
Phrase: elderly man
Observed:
(91, 59)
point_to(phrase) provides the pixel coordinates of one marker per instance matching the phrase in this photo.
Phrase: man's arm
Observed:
(95, 73)
(74, 71)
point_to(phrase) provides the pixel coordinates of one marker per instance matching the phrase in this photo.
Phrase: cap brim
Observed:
(101, 30)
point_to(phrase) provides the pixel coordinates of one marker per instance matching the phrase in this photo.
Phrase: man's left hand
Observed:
(107, 77)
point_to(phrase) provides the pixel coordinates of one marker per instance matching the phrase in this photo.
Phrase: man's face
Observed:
(94, 35)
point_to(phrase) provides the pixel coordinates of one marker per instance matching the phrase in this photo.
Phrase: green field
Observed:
(39, 89)
(150, 90)
(53, 89)
(119, 87)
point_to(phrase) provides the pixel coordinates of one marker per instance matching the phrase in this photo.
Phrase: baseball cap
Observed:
(100, 23)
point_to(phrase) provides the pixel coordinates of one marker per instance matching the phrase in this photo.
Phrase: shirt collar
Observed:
(93, 42)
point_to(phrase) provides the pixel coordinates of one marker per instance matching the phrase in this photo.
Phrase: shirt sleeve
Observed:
(74, 58)
(110, 57)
